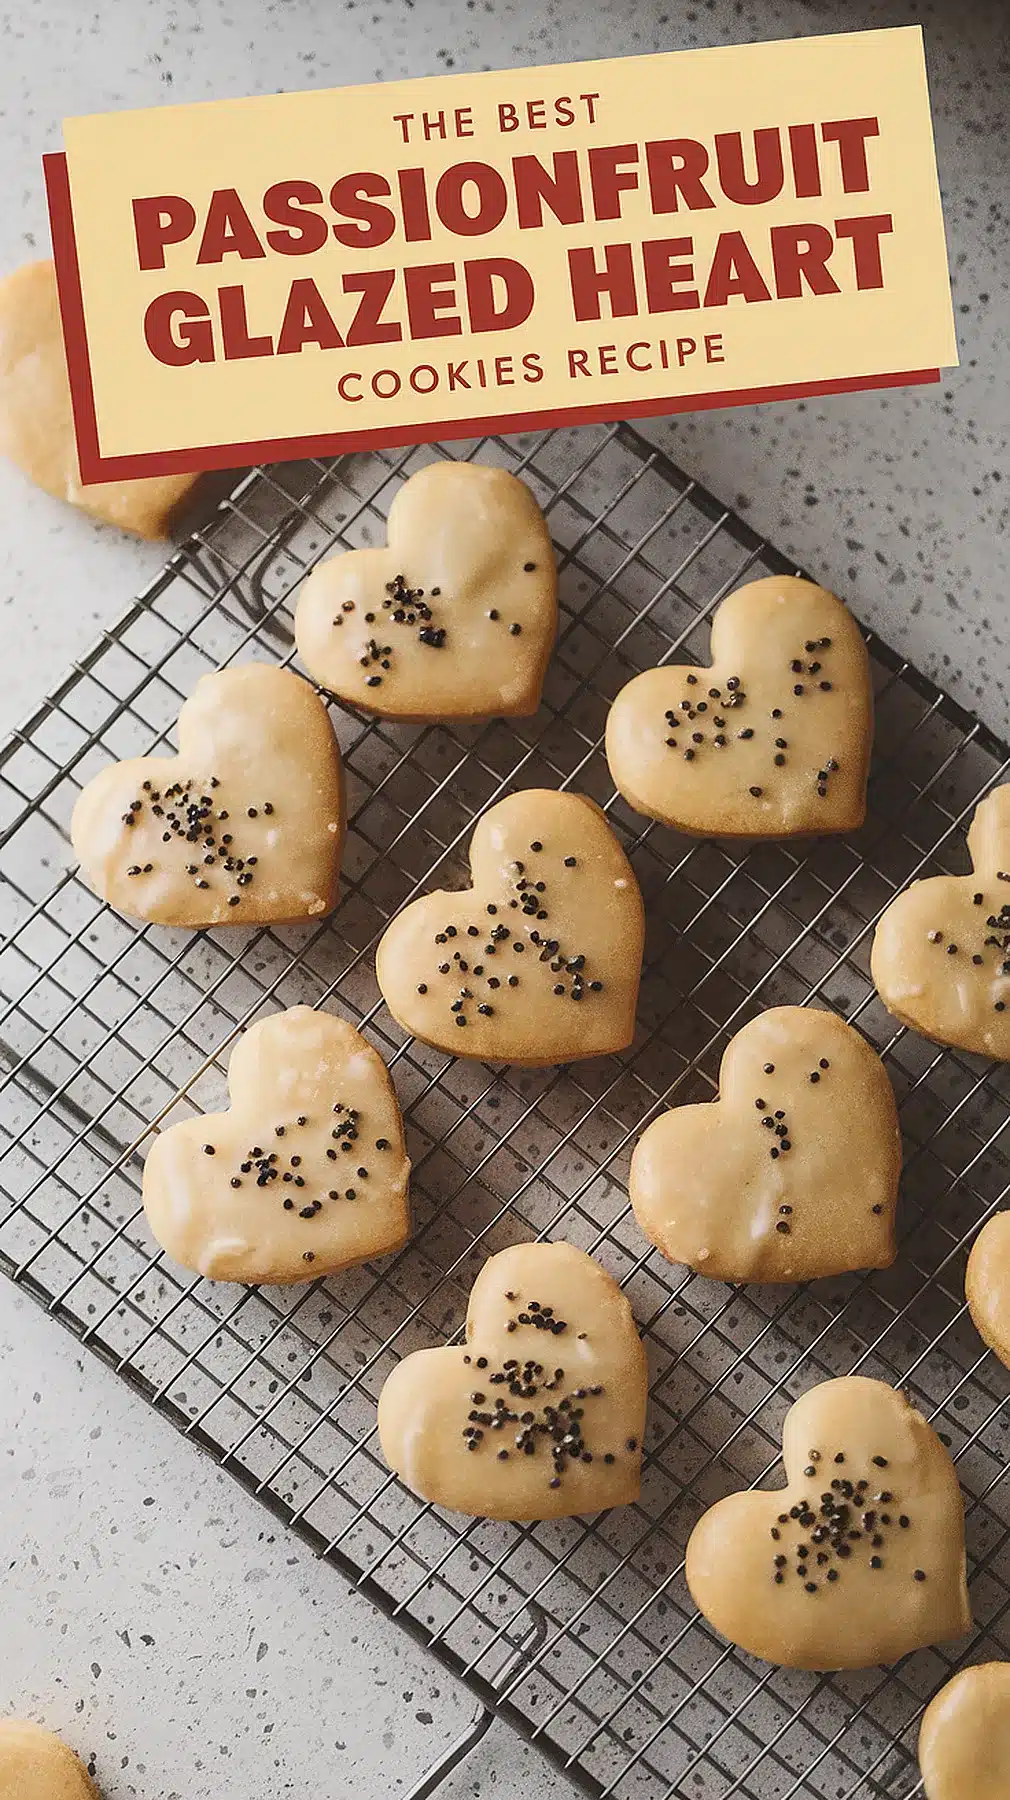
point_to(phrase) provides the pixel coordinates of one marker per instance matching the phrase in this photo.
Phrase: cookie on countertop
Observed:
(539, 960)
(941, 951)
(792, 1172)
(987, 1285)
(37, 1765)
(456, 618)
(772, 740)
(540, 1414)
(305, 1174)
(964, 1739)
(859, 1558)
(36, 420)
(244, 826)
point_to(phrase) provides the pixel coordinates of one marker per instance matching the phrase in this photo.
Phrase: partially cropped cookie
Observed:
(987, 1285)
(539, 960)
(540, 1414)
(941, 951)
(455, 618)
(859, 1558)
(36, 1765)
(964, 1739)
(792, 1172)
(306, 1173)
(245, 825)
(772, 740)
(36, 420)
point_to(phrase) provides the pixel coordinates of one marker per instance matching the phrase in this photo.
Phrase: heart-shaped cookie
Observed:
(964, 1739)
(541, 1413)
(773, 740)
(244, 826)
(455, 619)
(36, 420)
(36, 1765)
(859, 1558)
(539, 961)
(987, 1285)
(305, 1174)
(792, 1172)
(941, 951)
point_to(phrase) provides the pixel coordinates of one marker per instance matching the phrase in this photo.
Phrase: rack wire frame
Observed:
(580, 1632)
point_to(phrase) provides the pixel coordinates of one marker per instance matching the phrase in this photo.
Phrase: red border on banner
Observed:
(96, 467)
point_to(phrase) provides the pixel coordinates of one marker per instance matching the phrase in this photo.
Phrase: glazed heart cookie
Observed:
(245, 825)
(941, 951)
(964, 1739)
(540, 1415)
(987, 1285)
(36, 421)
(773, 740)
(859, 1558)
(456, 618)
(305, 1174)
(37, 1765)
(537, 962)
(792, 1172)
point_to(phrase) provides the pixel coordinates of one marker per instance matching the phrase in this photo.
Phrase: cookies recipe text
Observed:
(296, 274)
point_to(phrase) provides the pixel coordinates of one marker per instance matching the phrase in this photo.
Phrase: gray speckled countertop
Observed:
(151, 1610)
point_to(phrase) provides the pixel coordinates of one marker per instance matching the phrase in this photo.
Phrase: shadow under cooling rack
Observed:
(579, 1631)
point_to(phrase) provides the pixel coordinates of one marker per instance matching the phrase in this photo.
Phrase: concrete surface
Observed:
(151, 1610)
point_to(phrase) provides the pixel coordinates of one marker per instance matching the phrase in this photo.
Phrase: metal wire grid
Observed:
(580, 1631)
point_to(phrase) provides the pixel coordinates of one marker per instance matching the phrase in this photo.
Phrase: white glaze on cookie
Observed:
(456, 618)
(941, 951)
(37, 1765)
(987, 1285)
(792, 1172)
(964, 1739)
(305, 1174)
(859, 1558)
(772, 740)
(537, 962)
(245, 825)
(36, 421)
(541, 1413)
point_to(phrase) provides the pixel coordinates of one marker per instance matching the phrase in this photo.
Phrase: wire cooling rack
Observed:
(581, 1632)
